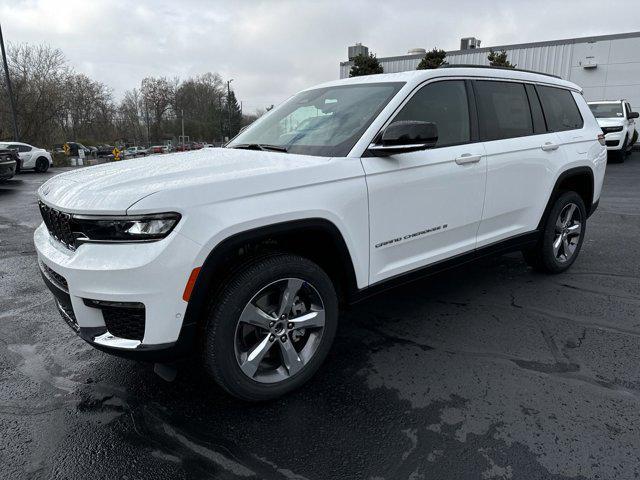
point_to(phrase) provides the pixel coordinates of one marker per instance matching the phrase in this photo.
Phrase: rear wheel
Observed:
(271, 327)
(562, 235)
(42, 165)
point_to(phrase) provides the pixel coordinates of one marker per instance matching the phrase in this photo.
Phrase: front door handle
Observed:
(547, 147)
(468, 158)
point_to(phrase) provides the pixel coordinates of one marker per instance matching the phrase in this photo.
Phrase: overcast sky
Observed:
(275, 48)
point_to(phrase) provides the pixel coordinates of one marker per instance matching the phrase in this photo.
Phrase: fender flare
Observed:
(571, 172)
(215, 259)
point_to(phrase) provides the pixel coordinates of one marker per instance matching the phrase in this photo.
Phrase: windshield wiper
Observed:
(260, 146)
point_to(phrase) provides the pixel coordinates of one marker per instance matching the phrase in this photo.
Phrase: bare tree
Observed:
(158, 96)
(87, 106)
(131, 118)
(38, 76)
(200, 99)
(55, 104)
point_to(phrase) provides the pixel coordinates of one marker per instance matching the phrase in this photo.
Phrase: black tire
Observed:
(219, 343)
(621, 154)
(542, 257)
(42, 165)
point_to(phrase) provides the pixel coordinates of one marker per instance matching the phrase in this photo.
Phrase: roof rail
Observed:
(464, 65)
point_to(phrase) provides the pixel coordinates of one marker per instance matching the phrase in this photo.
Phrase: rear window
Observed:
(503, 110)
(560, 109)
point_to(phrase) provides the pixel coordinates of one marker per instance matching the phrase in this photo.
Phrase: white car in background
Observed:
(616, 118)
(135, 152)
(31, 158)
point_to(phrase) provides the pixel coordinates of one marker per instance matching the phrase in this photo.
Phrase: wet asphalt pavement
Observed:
(488, 371)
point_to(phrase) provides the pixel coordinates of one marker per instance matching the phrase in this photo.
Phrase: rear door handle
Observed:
(547, 147)
(468, 158)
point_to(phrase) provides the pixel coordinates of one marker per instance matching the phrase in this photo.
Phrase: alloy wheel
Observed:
(279, 330)
(568, 231)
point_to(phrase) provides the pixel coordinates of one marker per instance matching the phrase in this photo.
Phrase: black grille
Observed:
(124, 322)
(59, 225)
(122, 319)
(55, 276)
(612, 143)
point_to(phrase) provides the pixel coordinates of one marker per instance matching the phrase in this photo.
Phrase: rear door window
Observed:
(560, 109)
(503, 110)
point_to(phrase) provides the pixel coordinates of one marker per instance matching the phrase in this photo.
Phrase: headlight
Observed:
(139, 228)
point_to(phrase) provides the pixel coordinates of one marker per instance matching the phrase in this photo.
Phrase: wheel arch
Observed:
(318, 239)
(577, 179)
(41, 157)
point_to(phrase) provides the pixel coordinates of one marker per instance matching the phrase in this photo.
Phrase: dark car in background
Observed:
(9, 164)
(105, 150)
(93, 150)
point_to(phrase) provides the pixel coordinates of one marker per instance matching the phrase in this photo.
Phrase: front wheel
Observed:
(271, 327)
(562, 235)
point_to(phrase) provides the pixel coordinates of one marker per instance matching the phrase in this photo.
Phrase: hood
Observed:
(112, 188)
(611, 122)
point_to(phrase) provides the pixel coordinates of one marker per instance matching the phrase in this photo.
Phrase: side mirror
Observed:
(405, 136)
(633, 115)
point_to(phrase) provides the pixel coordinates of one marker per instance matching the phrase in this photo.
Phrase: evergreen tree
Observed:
(433, 59)
(499, 59)
(365, 65)
(234, 115)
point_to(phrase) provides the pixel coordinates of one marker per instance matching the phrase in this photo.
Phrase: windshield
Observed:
(606, 110)
(326, 121)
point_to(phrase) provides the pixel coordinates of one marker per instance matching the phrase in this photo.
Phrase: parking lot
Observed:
(487, 371)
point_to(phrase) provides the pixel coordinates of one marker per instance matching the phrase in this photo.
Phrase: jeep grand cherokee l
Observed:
(243, 254)
(617, 121)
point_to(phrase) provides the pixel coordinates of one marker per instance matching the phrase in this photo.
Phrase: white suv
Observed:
(617, 121)
(243, 254)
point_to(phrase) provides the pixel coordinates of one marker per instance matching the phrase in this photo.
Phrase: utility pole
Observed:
(9, 89)
(221, 122)
(229, 107)
(146, 114)
(182, 113)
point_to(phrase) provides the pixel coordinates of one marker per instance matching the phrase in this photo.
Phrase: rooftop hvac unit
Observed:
(469, 43)
(357, 49)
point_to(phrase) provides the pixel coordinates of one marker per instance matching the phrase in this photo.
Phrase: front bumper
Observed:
(152, 275)
(615, 141)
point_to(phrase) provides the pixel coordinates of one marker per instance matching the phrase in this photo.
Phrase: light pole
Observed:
(229, 108)
(9, 89)
(182, 114)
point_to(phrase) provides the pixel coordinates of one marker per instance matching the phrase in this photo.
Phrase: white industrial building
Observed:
(607, 67)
